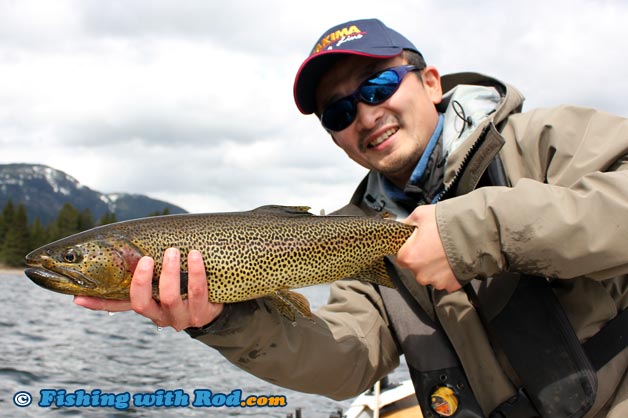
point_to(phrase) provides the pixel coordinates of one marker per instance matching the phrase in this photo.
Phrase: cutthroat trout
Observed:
(259, 253)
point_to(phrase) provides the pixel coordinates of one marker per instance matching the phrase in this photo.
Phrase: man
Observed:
(511, 290)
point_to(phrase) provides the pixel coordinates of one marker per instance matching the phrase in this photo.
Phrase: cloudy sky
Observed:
(191, 101)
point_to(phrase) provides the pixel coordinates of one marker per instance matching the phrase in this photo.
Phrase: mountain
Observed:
(44, 191)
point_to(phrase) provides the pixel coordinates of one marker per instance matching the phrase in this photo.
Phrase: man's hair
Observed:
(416, 59)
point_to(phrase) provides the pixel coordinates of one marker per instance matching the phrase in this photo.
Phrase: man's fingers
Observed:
(98, 304)
(142, 300)
(201, 311)
(171, 310)
(452, 286)
(173, 307)
(418, 215)
(170, 279)
(407, 254)
(197, 281)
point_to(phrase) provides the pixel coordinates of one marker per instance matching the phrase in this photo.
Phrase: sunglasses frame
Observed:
(358, 95)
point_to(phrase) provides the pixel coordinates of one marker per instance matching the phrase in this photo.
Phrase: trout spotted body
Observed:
(260, 253)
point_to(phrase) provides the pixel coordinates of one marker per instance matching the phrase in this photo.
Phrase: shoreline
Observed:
(11, 270)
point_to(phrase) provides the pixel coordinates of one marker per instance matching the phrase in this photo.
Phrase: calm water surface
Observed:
(49, 343)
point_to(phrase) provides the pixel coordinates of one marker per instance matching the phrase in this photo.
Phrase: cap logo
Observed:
(340, 36)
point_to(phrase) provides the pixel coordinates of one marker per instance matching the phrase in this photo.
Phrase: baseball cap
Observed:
(365, 37)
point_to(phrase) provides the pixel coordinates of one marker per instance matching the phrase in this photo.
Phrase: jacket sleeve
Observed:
(342, 351)
(566, 214)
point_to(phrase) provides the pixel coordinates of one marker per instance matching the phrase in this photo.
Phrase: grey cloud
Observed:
(151, 130)
(192, 100)
(251, 26)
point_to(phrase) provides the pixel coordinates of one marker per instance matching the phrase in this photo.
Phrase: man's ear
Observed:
(431, 82)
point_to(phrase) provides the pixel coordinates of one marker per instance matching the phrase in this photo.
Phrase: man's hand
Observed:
(423, 252)
(172, 310)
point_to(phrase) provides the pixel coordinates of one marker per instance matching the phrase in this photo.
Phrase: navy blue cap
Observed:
(367, 37)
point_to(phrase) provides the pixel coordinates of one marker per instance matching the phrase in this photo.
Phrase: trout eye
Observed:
(71, 255)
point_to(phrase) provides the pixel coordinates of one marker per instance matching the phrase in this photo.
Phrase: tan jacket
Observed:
(565, 217)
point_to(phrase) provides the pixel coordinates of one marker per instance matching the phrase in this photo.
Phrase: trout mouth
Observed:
(43, 272)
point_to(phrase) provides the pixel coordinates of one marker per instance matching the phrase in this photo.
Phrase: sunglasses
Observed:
(376, 89)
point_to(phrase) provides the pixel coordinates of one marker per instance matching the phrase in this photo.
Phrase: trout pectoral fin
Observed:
(287, 303)
(375, 273)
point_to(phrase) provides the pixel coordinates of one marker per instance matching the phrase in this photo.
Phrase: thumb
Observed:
(420, 214)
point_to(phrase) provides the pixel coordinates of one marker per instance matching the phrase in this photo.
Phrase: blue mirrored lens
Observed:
(380, 88)
(339, 115)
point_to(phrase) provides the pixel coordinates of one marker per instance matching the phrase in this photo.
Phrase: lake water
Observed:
(48, 343)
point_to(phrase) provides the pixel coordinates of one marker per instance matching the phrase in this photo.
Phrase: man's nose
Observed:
(367, 115)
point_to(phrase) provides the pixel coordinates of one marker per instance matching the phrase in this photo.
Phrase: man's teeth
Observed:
(382, 138)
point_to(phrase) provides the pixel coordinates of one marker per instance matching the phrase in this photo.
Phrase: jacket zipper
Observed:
(463, 165)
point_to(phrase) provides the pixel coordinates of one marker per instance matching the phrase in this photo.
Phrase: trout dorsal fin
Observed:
(279, 210)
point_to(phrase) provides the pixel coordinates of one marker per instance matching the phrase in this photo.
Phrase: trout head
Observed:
(100, 267)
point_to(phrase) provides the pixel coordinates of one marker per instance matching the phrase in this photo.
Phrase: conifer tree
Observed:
(39, 235)
(165, 211)
(17, 239)
(67, 222)
(107, 218)
(5, 220)
(86, 220)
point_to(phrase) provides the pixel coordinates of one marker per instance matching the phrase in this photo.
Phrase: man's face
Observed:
(388, 137)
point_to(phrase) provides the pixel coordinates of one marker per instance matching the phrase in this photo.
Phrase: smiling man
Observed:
(511, 293)
(388, 138)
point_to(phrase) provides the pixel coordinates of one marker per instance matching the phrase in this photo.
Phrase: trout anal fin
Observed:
(287, 303)
(376, 273)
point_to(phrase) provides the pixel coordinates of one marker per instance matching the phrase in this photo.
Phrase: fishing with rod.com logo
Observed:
(160, 398)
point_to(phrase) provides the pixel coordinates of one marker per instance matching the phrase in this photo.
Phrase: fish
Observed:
(265, 252)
